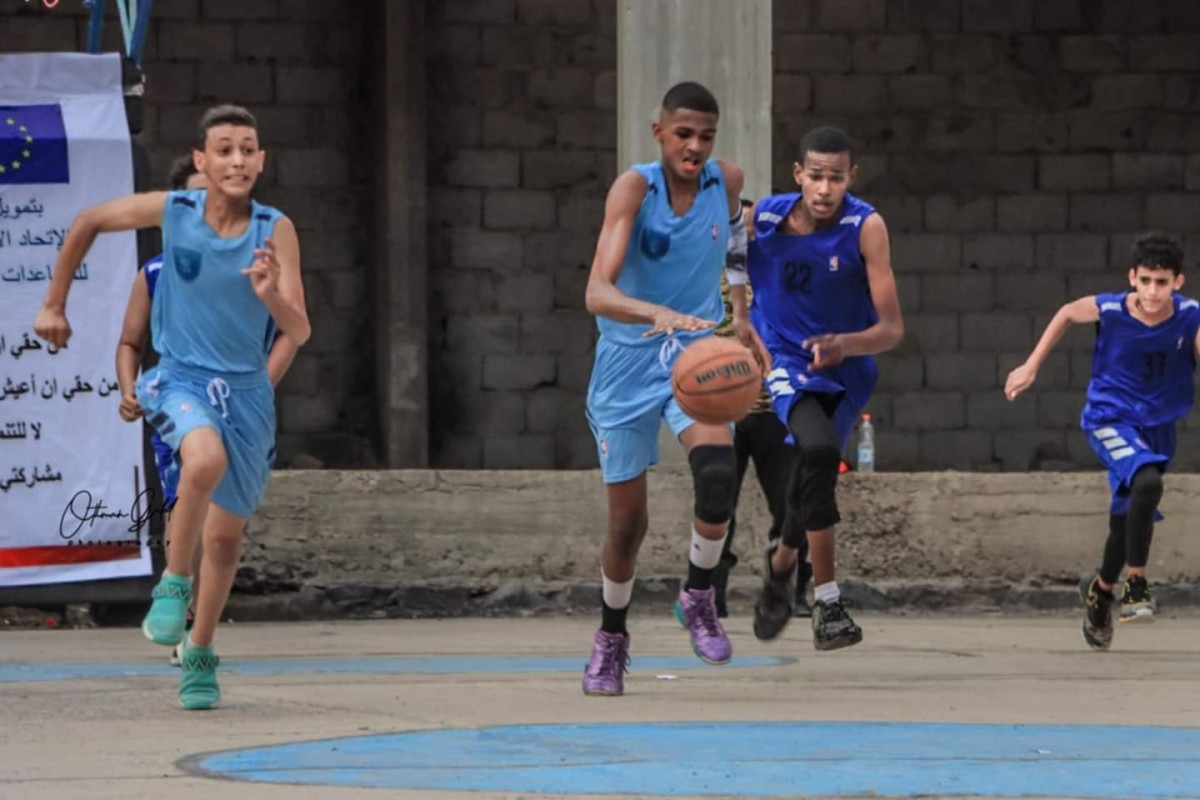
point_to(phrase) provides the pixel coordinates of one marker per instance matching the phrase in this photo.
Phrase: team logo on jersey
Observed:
(833, 263)
(654, 244)
(716, 231)
(668, 352)
(1179, 344)
(187, 262)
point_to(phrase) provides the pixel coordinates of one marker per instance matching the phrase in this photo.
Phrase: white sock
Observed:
(616, 595)
(827, 592)
(706, 553)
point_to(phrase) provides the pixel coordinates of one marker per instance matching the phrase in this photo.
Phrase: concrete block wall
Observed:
(1014, 147)
(522, 150)
(299, 66)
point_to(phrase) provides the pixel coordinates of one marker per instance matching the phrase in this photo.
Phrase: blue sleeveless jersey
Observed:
(674, 261)
(1141, 376)
(205, 313)
(808, 285)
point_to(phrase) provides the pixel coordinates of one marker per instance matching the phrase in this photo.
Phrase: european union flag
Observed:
(33, 145)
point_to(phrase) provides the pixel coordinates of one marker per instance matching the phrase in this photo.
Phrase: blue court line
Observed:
(24, 672)
(746, 759)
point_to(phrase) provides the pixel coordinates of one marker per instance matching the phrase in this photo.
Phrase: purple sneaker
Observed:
(696, 610)
(605, 672)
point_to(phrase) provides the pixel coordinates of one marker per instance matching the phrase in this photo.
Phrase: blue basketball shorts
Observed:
(629, 394)
(843, 390)
(168, 469)
(177, 400)
(1124, 449)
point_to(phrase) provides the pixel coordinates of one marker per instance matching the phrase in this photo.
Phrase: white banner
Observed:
(70, 469)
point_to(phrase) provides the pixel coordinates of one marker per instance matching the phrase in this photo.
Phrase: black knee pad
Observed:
(812, 495)
(1147, 486)
(714, 479)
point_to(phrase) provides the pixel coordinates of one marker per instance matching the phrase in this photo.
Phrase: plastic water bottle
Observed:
(866, 445)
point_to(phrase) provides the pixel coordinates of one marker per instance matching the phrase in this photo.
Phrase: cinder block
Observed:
(920, 92)
(526, 293)
(960, 131)
(1074, 173)
(997, 16)
(998, 251)
(929, 411)
(1179, 52)
(311, 85)
(950, 213)
(486, 11)
(805, 53)
(851, 15)
(518, 452)
(561, 88)
(791, 93)
(956, 449)
(1093, 53)
(518, 209)
(1042, 290)
(850, 94)
(1119, 92)
(1055, 372)
(965, 54)
(1059, 253)
(991, 331)
(923, 15)
(508, 372)
(900, 371)
(554, 12)
(1032, 213)
(960, 371)
(925, 252)
(886, 53)
(518, 128)
(927, 333)
(480, 334)
(991, 410)
(1175, 212)
(193, 41)
(1023, 451)
(969, 292)
(558, 332)
(1032, 133)
(487, 168)
(1059, 409)
(586, 130)
(485, 250)
(1106, 132)
(1147, 171)
(1105, 212)
(240, 82)
(1058, 15)
(550, 410)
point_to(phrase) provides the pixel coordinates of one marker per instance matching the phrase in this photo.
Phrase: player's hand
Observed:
(264, 272)
(668, 321)
(828, 350)
(1019, 380)
(51, 324)
(130, 409)
(748, 336)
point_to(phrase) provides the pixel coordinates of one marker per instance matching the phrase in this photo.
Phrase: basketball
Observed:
(716, 380)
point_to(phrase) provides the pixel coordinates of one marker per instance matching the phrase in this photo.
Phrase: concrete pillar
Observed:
(723, 44)
(400, 263)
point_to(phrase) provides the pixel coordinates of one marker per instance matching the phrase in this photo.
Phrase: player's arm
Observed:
(888, 331)
(132, 345)
(737, 278)
(275, 277)
(603, 298)
(279, 360)
(1075, 312)
(123, 214)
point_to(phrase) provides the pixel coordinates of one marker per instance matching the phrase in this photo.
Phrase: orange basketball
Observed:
(716, 380)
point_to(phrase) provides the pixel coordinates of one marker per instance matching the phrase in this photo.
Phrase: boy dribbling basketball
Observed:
(654, 287)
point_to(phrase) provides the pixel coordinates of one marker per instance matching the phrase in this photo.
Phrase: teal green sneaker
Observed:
(164, 623)
(198, 690)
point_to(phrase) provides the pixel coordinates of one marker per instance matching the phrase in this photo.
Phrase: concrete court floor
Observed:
(123, 738)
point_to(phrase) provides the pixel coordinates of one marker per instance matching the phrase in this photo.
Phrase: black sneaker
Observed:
(774, 606)
(802, 605)
(1136, 603)
(1097, 615)
(832, 626)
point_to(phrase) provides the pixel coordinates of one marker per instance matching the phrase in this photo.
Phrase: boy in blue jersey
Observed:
(1143, 369)
(654, 288)
(824, 303)
(131, 350)
(230, 266)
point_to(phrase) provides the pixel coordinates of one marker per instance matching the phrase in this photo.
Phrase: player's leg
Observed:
(774, 462)
(714, 484)
(742, 447)
(181, 415)
(198, 687)
(1145, 493)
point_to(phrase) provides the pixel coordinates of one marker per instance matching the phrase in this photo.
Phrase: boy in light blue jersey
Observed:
(1143, 373)
(824, 303)
(654, 288)
(230, 266)
(131, 350)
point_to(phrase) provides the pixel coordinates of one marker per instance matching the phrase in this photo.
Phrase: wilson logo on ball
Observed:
(737, 370)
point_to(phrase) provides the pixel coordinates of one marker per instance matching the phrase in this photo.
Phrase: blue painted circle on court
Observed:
(24, 672)
(746, 759)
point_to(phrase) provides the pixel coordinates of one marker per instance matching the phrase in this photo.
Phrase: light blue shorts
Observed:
(629, 394)
(177, 400)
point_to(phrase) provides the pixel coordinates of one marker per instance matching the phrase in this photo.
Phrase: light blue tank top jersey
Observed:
(1141, 375)
(674, 261)
(205, 313)
(808, 285)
